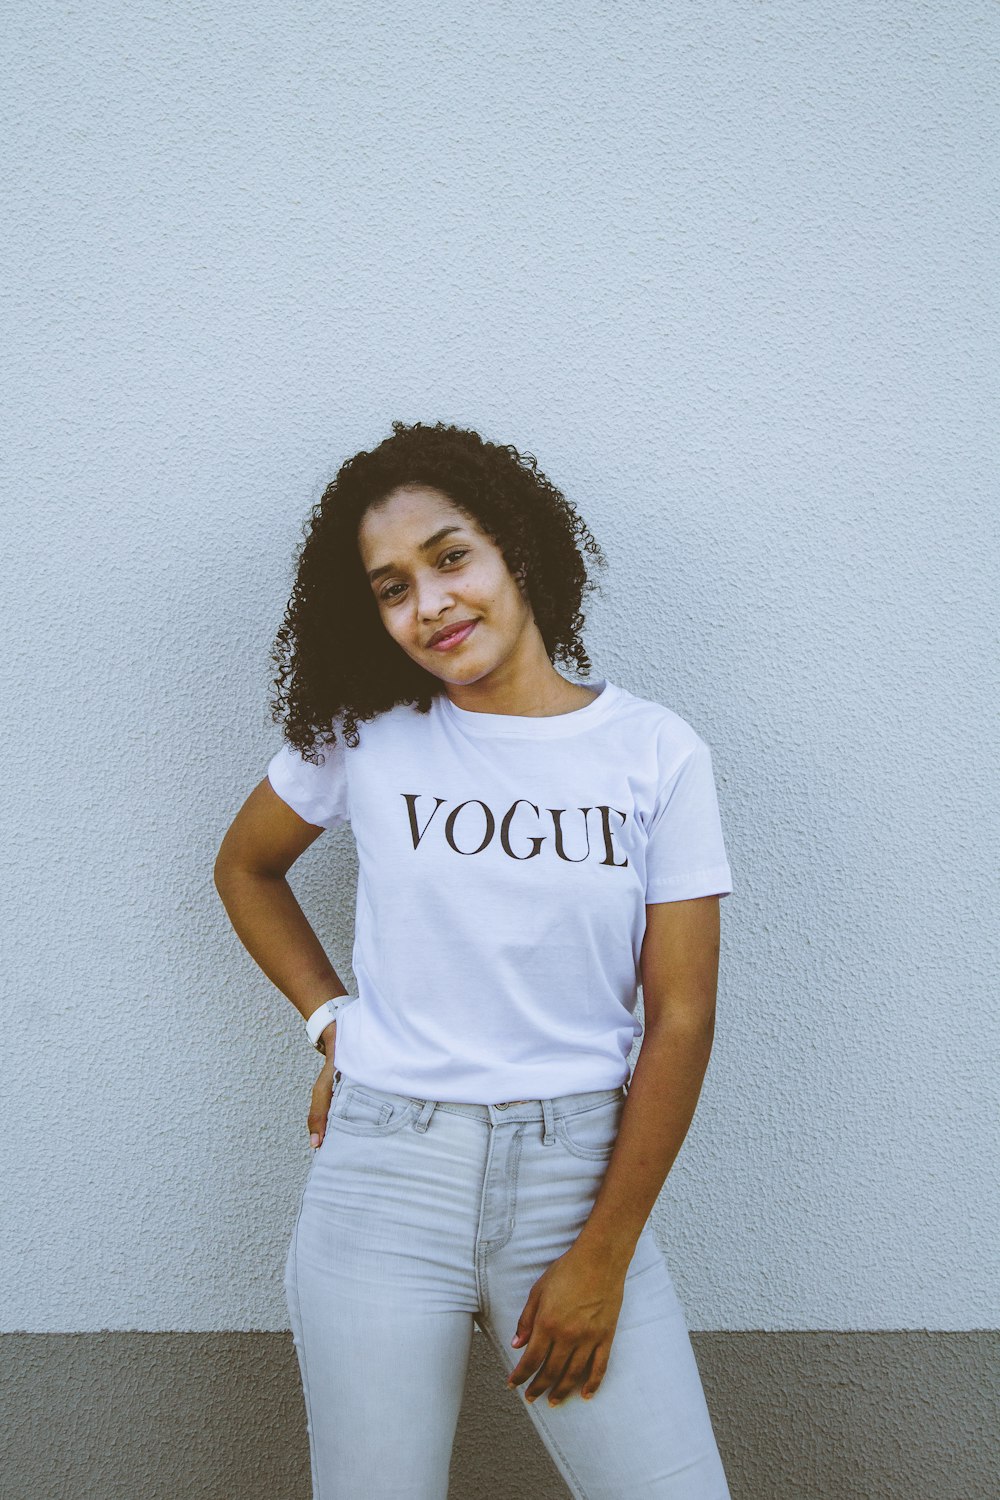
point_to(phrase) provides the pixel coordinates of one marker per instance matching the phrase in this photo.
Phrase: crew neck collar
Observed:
(534, 727)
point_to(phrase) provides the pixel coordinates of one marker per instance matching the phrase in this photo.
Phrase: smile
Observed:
(455, 638)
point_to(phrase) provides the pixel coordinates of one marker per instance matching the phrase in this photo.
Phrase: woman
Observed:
(530, 848)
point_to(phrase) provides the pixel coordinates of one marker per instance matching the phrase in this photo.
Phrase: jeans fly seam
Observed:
(510, 1183)
(483, 1247)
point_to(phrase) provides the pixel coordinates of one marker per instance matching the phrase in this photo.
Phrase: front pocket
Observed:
(591, 1133)
(359, 1112)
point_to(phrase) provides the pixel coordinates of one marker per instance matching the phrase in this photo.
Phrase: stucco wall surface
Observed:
(729, 272)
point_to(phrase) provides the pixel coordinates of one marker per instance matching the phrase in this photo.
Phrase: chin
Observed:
(461, 675)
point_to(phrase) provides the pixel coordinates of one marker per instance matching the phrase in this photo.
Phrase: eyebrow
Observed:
(431, 541)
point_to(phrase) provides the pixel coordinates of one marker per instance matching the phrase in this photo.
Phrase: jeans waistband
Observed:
(518, 1109)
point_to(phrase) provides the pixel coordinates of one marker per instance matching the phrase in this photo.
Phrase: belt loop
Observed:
(625, 1086)
(424, 1118)
(548, 1134)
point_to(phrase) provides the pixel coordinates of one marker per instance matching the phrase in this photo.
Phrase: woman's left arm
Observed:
(574, 1306)
(680, 975)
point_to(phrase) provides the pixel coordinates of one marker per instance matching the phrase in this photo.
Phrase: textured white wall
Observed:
(729, 271)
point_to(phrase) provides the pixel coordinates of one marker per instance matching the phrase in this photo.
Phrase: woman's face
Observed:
(424, 581)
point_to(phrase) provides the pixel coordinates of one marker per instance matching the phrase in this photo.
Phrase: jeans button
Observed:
(501, 1106)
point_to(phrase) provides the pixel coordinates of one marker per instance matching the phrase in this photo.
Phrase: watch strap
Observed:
(324, 1015)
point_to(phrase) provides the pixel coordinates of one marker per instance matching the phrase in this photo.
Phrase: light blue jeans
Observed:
(419, 1218)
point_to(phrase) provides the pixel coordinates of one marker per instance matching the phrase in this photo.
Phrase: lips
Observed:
(451, 634)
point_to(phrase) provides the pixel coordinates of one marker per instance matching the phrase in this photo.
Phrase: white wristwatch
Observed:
(322, 1017)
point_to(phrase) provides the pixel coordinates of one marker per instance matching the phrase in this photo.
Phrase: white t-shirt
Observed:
(504, 867)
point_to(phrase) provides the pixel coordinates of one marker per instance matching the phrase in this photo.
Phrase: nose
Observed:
(432, 600)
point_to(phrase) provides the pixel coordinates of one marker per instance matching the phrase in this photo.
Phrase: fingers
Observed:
(526, 1321)
(536, 1352)
(320, 1108)
(598, 1365)
(565, 1368)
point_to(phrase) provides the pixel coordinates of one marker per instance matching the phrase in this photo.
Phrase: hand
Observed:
(568, 1322)
(322, 1090)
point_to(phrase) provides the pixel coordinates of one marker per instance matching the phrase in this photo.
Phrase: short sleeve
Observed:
(685, 852)
(317, 793)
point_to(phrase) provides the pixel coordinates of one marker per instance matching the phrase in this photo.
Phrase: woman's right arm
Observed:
(262, 843)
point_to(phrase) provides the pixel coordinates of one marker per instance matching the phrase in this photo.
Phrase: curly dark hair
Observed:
(335, 658)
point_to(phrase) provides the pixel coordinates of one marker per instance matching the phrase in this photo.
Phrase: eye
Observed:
(387, 595)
